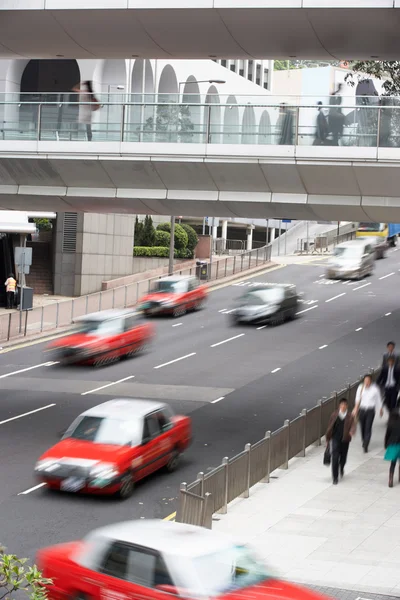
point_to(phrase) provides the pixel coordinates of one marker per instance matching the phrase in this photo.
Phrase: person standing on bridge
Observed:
(11, 286)
(341, 429)
(88, 104)
(368, 400)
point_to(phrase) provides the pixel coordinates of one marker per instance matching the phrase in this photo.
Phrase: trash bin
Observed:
(202, 269)
(27, 298)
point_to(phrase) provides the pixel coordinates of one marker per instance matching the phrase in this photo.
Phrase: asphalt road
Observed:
(234, 392)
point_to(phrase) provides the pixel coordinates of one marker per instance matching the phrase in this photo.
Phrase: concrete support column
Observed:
(215, 232)
(224, 234)
(250, 237)
(271, 234)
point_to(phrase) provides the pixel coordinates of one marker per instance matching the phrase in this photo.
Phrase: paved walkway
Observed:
(38, 301)
(345, 536)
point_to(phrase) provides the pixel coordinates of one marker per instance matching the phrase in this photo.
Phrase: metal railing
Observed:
(223, 246)
(321, 244)
(262, 122)
(235, 476)
(63, 313)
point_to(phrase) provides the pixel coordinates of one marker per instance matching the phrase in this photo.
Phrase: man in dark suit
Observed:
(341, 428)
(390, 352)
(389, 381)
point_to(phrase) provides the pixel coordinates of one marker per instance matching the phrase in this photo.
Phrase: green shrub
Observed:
(185, 253)
(43, 224)
(192, 237)
(149, 233)
(163, 238)
(180, 237)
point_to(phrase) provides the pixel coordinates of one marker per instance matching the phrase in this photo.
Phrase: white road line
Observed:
(177, 324)
(388, 275)
(46, 364)
(361, 286)
(222, 310)
(228, 312)
(322, 347)
(276, 370)
(359, 329)
(262, 327)
(102, 387)
(306, 309)
(31, 412)
(32, 489)
(175, 360)
(235, 337)
(217, 400)
(334, 297)
(386, 315)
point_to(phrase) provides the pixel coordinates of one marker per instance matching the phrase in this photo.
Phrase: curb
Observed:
(39, 338)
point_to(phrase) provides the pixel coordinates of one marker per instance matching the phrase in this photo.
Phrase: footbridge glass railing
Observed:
(169, 122)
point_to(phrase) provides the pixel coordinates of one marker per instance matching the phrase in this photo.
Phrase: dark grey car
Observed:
(267, 304)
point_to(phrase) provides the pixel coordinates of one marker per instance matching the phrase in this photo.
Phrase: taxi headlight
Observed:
(47, 465)
(104, 471)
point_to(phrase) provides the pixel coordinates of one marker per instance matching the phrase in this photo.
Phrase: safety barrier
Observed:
(63, 313)
(235, 476)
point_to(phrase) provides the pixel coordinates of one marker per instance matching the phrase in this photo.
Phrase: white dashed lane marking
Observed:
(335, 297)
(388, 275)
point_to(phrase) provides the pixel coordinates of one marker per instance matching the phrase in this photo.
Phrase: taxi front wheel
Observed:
(173, 462)
(127, 487)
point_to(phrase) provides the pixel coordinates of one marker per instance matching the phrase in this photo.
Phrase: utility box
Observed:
(27, 298)
(202, 269)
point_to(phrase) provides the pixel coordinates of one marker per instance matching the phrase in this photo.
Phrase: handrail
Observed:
(235, 476)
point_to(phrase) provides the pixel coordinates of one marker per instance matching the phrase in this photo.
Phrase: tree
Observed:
(163, 238)
(192, 237)
(180, 237)
(172, 123)
(43, 224)
(389, 71)
(15, 577)
(148, 233)
(138, 234)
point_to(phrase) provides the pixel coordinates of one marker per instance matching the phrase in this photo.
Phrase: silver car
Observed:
(352, 260)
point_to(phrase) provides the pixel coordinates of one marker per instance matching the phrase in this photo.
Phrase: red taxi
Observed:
(174, 296)
(103, 337)
(113, 445)
(144, 560)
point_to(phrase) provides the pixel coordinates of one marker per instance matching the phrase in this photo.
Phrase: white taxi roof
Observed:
(105, 314)
(166, 537)
(123, 408)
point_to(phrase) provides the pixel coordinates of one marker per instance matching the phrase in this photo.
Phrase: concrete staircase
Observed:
(40, 277)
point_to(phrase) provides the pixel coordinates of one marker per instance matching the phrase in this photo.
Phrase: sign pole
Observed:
(279, 237)
(22, 270)
(285, 237)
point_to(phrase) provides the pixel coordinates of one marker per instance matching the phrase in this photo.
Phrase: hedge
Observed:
(192, 237)
(180, 237)
(163, 238)
(160, 252)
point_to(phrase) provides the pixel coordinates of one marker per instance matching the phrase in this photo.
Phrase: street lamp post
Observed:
(172, 247)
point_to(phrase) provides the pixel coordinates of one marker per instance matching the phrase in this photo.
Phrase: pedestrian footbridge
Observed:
(227, 161)
(247, 29)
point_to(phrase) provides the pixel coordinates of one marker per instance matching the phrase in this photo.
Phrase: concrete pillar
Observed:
(224, 234)
(271, 234)
(215, 232)
(250, 237)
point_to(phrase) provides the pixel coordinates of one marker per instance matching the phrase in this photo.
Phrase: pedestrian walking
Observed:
(285, 126)
(322, 129)
(368, 400)
(389, 382)
(88, 104)
(390, 351)
(11, 286)
(335, 116)
(341, 429)
(392, 443)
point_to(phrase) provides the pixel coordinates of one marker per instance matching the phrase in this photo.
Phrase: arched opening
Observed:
(231, 133)
(167, 122)
(212, 115)
(191, 126)
(140, 119)
(49, 81)
(264, 130)
(249, 130)
(113, 80)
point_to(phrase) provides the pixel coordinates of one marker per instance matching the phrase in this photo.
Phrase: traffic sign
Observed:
(286, 220)
(23, 256)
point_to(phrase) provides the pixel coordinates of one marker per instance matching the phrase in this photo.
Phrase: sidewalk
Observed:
(309, 531)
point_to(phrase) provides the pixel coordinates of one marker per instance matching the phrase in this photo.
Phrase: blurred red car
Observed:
(145, 559)
(103, 337)
(174, 296)
(111, 446)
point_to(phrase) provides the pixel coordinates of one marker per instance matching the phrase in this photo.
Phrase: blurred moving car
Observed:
(271, 303)
(111, 446)
(103, 337)
(379, 244)
(351, 260)
(147, 559)
(174, 296)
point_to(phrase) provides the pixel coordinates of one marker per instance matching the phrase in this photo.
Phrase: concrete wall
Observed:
(148, 272)
(104, 250)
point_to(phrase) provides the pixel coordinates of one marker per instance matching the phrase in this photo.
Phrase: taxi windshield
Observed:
(262, 296)
(99, 328)
(230, 569)
(104, 430)
(171, 286)
(348, 251)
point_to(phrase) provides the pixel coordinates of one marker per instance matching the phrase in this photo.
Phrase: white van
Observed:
(352, 260)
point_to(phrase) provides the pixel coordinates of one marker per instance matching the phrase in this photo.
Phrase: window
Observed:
(163, 420)
(116, 562)
(223, 63)
(172, 286)
(101, 328)
(151, 427)
(133, 321)
(136, 565)
(258, 81)
(241, 72)
(193, 284)
(103, 430)
(263, 296)
(233, 67)
(371, 227)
